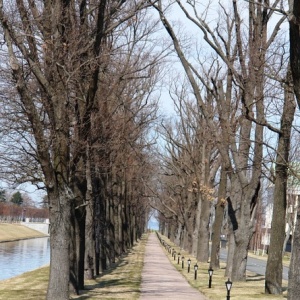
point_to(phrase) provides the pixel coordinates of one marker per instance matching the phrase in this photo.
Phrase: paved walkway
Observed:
(160, 279)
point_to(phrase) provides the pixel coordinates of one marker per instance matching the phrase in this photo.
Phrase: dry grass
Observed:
(14, 232)
(122, 281)
(28, 286)
(252, 289)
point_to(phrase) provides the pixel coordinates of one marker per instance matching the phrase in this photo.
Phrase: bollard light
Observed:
(210, 273)
(174, 255)
(228, 285)
(189, 264)
(178, 258)
(182, 262)
(196, 269)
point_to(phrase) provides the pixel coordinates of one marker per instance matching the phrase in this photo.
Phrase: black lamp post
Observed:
(178, 256)
(228, 285)
(182, 262)
(189, 264)
(196, 269)
(210, 273)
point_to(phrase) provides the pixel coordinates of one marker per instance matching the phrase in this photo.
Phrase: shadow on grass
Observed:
(22, 294)
(108, 287)
(91, 289)
(255, 277)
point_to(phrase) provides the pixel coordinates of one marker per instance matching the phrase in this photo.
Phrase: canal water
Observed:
(23, 256)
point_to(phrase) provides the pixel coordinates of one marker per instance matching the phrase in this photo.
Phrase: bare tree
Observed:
(245, 57)
(190, 167)
(294, 17)
(126, 107)
(294, 22)
(273, 283)
(56, 52)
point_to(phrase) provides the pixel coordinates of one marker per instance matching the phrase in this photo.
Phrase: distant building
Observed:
(293, 196)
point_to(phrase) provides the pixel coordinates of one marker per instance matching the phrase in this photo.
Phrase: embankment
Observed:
(15, 231)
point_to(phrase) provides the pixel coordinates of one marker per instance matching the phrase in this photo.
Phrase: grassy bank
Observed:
(28, 286)
(122, 281)
(252, 289)
(14, 232)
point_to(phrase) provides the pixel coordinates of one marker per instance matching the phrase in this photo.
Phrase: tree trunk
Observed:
(121, 212)
(230, 253)
(295, 46)
(110, 255)
(134, 228)
(100, 224)
(273, 283)
(196, 227)
(178, 234)
(116, 221)
(89, 257)
(241, 213)
(203, 232)
(243, 231)
(217, 226)
(97, 224)
(294, 271)
(89, 225)
(77, 248)
(115, 213)
(240, 255)
(60, 216)
(190, 210)
(185, 239)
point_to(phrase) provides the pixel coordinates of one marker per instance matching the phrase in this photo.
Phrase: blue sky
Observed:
(153, 224)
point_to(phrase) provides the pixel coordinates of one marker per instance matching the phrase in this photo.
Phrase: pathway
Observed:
(160, 280)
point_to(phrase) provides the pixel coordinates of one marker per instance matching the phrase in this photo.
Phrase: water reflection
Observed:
(23, 256)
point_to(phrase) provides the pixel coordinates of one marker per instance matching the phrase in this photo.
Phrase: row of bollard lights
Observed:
(228, 283)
